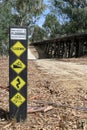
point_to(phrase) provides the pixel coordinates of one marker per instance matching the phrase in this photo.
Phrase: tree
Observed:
(18, 13)
(27, 11)
(73, 14)
(38, 34)
(52, 26)
(5, 21)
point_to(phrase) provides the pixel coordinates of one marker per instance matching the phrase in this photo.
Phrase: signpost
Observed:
(18, 73)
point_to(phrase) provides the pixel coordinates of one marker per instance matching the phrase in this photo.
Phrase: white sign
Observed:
(18, 34)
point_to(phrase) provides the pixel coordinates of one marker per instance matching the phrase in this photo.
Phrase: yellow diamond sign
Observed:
(18, 99)
(18, 66)
(18, 83)
(18, 48)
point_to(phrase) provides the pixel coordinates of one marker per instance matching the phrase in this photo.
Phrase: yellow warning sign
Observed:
(18, 66)
(18, 48)
(18, 99)
(18, 83)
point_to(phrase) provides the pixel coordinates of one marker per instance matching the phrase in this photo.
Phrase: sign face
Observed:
(18, 83)
(18, 73)
(18, 34)
(18, 99)
(18, 48)
(18, 66)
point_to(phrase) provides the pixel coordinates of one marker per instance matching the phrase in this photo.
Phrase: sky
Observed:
(42, 17)
(47, 11)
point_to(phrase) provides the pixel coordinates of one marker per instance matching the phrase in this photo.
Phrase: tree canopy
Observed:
(18, 13)
(73, 13)
(64, 17)
(39, 34)
(52, 26)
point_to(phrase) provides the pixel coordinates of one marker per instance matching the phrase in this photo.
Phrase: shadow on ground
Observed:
(4, 114)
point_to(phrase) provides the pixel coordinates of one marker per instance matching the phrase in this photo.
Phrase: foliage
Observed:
(52, 26)
(38, 34)
(18, 13)
(73, 13)
(28, 11)
(5, 21)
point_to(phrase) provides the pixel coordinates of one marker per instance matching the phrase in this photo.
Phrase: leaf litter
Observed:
(55, 101)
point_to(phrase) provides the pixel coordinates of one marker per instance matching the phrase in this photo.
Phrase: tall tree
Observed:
(38, 34)
(52, 26)
(5, 21)
(19, 13)
(27, 11)
(73, 13)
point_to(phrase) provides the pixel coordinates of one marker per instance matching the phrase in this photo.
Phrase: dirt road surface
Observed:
(30, 54)
(61, 84)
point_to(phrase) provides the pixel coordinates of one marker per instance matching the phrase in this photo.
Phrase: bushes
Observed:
(4, 49)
